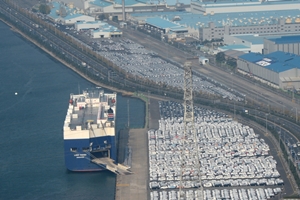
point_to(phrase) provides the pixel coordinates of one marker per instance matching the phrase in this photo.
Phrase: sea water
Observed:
(34, 94)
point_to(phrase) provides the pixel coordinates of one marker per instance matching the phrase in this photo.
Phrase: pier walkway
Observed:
(136, 185)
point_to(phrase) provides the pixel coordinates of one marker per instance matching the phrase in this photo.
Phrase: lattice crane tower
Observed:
(190, 162)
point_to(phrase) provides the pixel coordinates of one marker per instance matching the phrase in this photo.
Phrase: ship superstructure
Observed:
(89, 132)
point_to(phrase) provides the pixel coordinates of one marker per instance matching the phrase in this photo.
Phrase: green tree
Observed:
(101, 17)
(232, 62)
(45, 9)
(220, 57)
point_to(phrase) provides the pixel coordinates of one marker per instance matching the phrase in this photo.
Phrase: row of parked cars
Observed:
(216, 194)
(170, 184)
(230, 153)
(137, 60)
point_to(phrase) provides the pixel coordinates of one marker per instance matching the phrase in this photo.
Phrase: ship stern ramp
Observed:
(110, 165)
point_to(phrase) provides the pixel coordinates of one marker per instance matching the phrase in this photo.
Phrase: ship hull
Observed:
(79, 153)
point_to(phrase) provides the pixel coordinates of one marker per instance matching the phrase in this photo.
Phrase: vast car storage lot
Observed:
(137, 60)
(235, 161)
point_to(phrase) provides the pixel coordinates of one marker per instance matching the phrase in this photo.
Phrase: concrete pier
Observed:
(136, 185)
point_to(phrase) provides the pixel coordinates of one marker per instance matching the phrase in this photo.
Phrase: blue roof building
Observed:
(209, 26)
(286, 39)
(236, 6)
(165, 25)
(278, 69)
(288, 44)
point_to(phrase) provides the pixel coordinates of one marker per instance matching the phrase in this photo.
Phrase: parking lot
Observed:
(232, 156)
(139, 61)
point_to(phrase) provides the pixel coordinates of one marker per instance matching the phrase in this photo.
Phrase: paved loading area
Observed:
(135, 186)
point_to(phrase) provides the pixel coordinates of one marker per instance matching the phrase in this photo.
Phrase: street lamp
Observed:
(233, 99)
(296, 114)
(267, 123)
(283, 109)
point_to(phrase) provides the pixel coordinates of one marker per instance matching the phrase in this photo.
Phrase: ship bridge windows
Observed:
(73, 149)
(85, 149)
(101, 154)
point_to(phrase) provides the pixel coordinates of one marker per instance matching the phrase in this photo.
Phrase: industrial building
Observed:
(263, 44)
(237, 6)
(88, 25)
(288, 44)
(203, 60)
(164, 26)
(116, 7)
(215, 26)
(277, 69)
(246, 43)
(65, 15)
(106, 31)
(74, 18)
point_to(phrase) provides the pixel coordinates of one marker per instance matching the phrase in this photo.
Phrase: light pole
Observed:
(233, 99)
(267, 123)
(279, 136)
(283, 135)
(167, 51)
(296, 115)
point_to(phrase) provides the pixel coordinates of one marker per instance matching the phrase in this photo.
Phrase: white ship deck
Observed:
(90, 114)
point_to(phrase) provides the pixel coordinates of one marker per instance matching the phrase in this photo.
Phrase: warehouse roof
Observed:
(72, 16)
(101, 3)
(286, 39)
(169, 2)
(243, 3)
(106, 28)
(70, 13)
(221, 19)
(233, 53)
(254, 39)
(91, 22)
(235, 47)
(277, 61)
(163, 24)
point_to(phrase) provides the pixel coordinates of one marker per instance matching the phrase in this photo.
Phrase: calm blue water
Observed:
(31, 141)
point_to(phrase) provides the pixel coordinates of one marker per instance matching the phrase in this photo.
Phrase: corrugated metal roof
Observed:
(101, 3)
(91, 22)
(277, 61)
(70, 12)
(222, 3)
(234, 46)
(106, 28)
(162, 23)
(72, 16)
(233, 53)
(129, 2)
(170, 2)
(286, 39)
(188, 19)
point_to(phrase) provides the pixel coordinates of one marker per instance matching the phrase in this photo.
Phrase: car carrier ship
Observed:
(89, 133)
